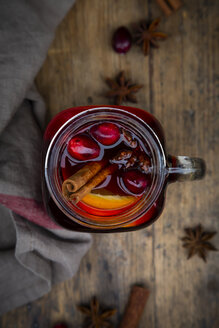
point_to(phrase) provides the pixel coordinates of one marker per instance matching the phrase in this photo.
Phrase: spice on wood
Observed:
(95, 318)
(122, 89)
(135, 307)
(169, 6)
(147, 36)
(197, 242)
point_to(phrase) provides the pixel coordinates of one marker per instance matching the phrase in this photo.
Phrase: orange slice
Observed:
(108, 201)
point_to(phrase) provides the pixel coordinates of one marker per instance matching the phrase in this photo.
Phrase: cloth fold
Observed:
(35, 253)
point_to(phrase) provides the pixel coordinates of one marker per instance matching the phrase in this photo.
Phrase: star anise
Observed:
(95, 318)
(123, 154)
(131, 161)
(125, 157)
(128, 159)
(122, 89)
(129, 139)
(146, 36)
(197, 242)
(144, 162)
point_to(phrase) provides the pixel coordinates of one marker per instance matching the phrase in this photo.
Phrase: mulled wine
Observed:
(106, 169)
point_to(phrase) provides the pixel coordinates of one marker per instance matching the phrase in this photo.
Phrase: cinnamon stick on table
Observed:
(81, 177)
(169, 6)
(98, 178)
(134, 309)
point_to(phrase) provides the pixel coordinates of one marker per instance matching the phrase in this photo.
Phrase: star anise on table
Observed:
(197, 242)
(95, 318)
(122, 89)
(146, 36)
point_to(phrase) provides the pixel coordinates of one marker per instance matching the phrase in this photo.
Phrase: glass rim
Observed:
(117, 220)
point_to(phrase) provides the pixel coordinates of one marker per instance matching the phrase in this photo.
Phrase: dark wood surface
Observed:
(180, 80)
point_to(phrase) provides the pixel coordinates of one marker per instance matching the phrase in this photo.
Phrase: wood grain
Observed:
(180, 84)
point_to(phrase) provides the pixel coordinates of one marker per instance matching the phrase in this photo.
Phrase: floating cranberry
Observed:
(122, 40)
(83, 147)
(136, 181)
(106, 133)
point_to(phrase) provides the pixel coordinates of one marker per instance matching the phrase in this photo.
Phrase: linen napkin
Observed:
(35, 253)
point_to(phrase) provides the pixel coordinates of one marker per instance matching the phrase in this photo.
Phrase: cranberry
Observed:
(122, 40)
(136, 181)
(106, 133)
(83, 147)
(60, 325)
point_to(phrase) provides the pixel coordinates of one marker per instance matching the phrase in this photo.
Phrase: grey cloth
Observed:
(34, 252)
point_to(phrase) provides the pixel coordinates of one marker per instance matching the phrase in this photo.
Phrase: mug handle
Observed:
(184, 168)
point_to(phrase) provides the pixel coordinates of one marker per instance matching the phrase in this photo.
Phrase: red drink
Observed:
(106, 169)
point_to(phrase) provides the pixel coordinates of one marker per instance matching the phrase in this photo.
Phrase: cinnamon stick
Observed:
(165, 7)
(134, 309)
(98, 178)
(175, 4)
(169, 6)
(81, 177)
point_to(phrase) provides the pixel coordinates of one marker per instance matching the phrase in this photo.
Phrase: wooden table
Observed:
(180, 90)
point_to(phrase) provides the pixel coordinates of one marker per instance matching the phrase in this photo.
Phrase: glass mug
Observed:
(164, 169)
